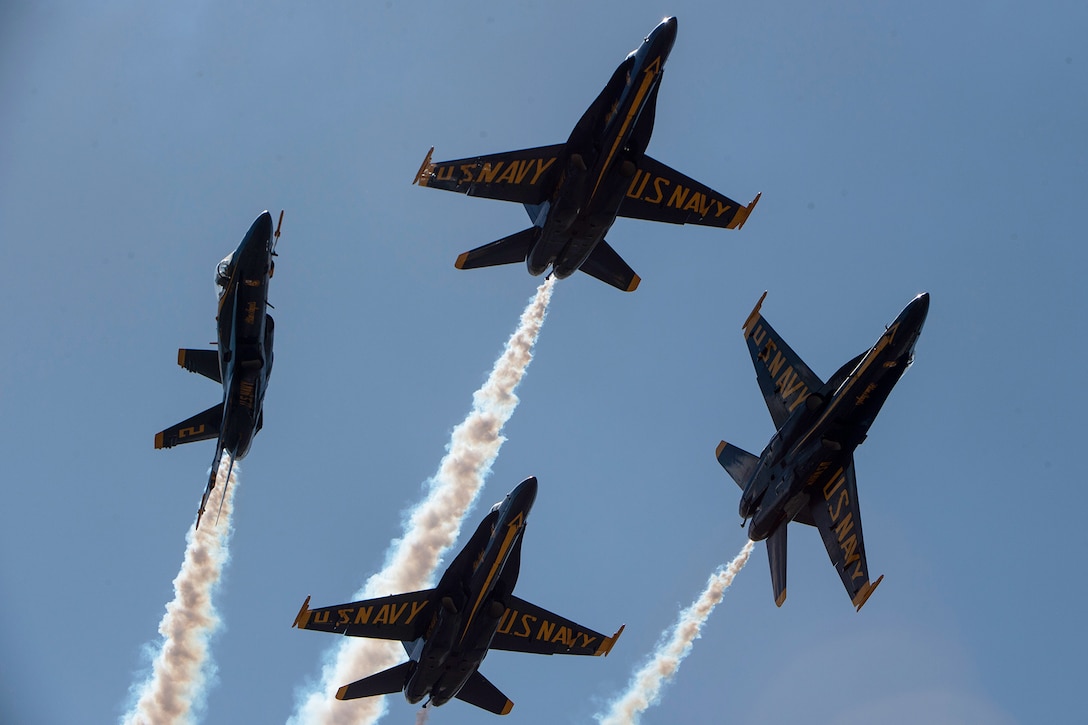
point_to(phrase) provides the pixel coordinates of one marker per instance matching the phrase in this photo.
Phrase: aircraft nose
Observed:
(665, 34)
(919, 309)
(524, 494)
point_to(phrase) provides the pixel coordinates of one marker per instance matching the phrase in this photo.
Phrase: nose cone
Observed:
(914, 316)
(662, 37)
(524, 494)
(259, 234)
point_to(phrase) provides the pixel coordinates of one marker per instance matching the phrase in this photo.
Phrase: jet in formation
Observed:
(806, 472)
(447, 631)
(242, 363)
(574, 191)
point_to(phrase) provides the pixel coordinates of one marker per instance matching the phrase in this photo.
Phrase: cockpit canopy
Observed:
(223, 273)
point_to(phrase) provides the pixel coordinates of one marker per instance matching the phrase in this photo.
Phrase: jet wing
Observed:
(661, 194)
(838, 517)
(784, 378)
(526, 627)
(402, 617)
(527, 176)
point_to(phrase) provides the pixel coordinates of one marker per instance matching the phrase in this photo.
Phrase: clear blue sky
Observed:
(937, 147)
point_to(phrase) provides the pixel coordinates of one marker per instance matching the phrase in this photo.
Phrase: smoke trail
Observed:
(645, 687)
(432, 527)
(181, 670)
(423, 716)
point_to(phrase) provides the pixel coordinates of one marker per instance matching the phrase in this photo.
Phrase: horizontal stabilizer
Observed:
(607, 266)
(737, 462)
(384, 683)
(205, 362)
(508, 250)
(480, 692)
(201, 427)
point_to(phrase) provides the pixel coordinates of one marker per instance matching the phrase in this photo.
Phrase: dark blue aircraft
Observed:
(243, 361)
(574, 191)
(806, 472)
(447, 631)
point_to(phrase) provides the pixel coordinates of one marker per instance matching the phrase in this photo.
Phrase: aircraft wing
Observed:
(838, 517)
(661, 194)
(784, 378)
(526, 627)
(402, 617)
(527, 176)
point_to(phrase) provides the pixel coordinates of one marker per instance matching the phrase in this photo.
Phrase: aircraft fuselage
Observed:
(470, 602)
(818, 439)
(245, 333)
(600, 159)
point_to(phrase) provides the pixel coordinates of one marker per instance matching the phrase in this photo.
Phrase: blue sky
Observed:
(937, 147)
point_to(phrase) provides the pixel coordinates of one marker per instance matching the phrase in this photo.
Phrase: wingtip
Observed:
(303, 616)
(507, 707)
(460, 263)
(424, 173)
(160, 440)
(781, 599)
(719, 449)
(742, 214)
(865, 592)
(341, 694)
(635, 281)
(754, 313)
(610, 642)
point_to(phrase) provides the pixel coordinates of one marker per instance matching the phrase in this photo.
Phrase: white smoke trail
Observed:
(423, 716)
(432, 527)
(645, 686)
(181, 668)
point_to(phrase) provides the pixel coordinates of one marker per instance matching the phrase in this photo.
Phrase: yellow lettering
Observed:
(511, 173)
(844, 500)
(545, 631)
(488, 173)
(345, 616)
(383, 615)
(564, 636)
(696, 203)
(466, 173)
(444, 173)
(779, 359)
(858, 572)
(541, 167)
(722, 208)
(679, 195)
(362, 616)
(507, 621)
(759, 336)
(639, 174)
(848, 550)
(191, 431)
(526, 626)
(586, 639)
(395, 612)
(417, 607)
(659, 181)
(845, 526)
(838, 479)
(321, 617)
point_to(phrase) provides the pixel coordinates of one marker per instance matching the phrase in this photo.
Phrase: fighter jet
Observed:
(447, 631)
(243, 361)
(806, 472)
(574, 191)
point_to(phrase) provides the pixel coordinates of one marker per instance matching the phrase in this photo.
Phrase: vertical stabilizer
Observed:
(776, 555)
